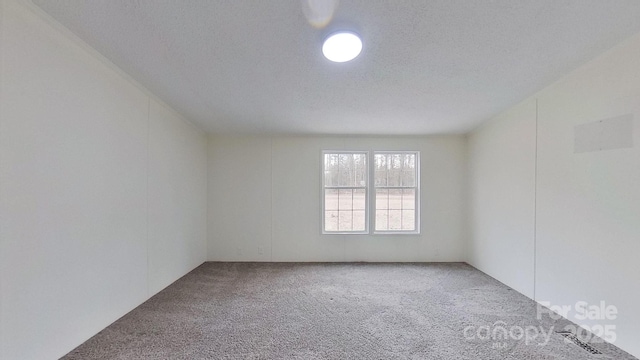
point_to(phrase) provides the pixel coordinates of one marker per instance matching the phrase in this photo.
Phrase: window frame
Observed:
(370, 191)
(367, 194)
(416, 188)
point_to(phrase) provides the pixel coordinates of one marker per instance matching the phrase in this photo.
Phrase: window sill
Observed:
(396, 233)
(378, 233)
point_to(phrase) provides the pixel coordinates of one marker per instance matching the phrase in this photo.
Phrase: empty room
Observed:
(319, 179)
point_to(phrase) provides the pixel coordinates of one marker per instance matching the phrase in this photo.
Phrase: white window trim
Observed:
(372, 184)
(370, 211)
(367, 194)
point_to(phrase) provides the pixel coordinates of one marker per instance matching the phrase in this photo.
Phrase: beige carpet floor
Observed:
(337, 311)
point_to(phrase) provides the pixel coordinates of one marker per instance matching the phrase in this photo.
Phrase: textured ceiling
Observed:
(439, 66)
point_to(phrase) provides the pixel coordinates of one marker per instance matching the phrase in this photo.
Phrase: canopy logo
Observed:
(499, 333)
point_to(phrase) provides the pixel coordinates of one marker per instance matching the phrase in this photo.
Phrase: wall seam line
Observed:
(271, 197)
(2, 285)
(147, 190)
(535, 206)
(207, 208)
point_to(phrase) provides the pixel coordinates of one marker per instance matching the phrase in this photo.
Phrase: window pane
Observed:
(382, 220)
(331, 221)
(380, 170)
(395, 169)
(408, 199)
(345, 220)
(381, 178)
(394, 176)
(409, 170)
(345, 169)
(408, 219)
(395, 219)
(408, 178)
(345, 199)
(359, 199)
(348, 170)
(382, 199)
(395, 199)
(331, 199)
(395, 161)
(330, 169)
(359, 220)
(360, 168)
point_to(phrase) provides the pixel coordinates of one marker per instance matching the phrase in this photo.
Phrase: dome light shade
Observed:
(342, 46)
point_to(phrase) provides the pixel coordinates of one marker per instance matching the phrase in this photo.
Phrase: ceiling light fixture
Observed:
(342, 46)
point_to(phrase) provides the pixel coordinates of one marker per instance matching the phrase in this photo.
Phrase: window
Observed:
(348, 205)
(345, 192)
(396, 189)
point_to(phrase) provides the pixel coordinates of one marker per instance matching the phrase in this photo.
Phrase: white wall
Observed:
(177, 198)
(264, 201)
(102, 188)
(502, 197)
(587, 205)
